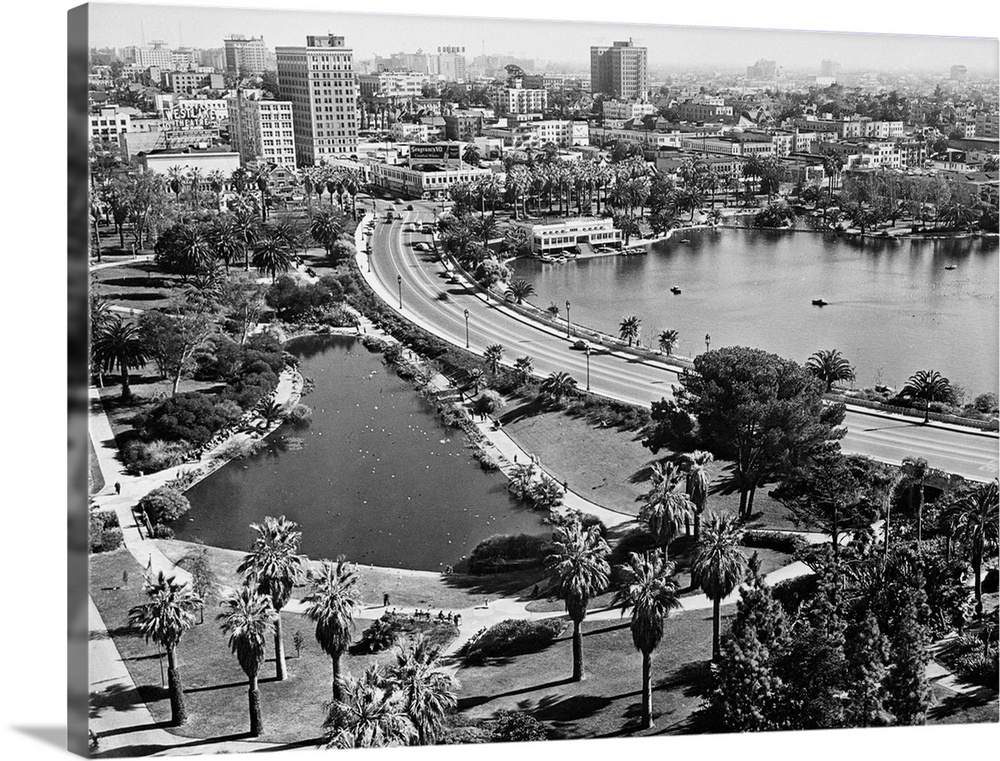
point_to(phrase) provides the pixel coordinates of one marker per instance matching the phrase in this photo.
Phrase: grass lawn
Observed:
(608, 703)
(138, 285)
(612, 468)
(215, 686)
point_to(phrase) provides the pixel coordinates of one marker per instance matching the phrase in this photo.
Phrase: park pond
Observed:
(894, 306)
(375, 477)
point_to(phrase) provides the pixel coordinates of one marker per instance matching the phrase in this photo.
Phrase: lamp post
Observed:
(708, 341)
(399, 283)
(368, 250)
(466, 328)
(567, 319)
(587, 352)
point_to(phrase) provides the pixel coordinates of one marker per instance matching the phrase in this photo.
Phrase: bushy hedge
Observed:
(386, 631)
(142, 457)
(509, 552)
(105, 531)
(608, 412)
(292, 300)
(193, 417)
(775, 540)
(513, 637)
(164, 505)
(300, 415)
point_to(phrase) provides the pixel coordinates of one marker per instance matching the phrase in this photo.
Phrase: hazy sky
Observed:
(119, 25)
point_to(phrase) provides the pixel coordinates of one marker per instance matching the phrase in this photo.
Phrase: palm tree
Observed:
(519, 289)
(629, 329)
(248, 618)
(719, 565)
(650, 591)
(224, 239)
(523, 367)
(368, 714)
(492, 357)
(667, 341)
(471, 155)
(175, 181)
(830, 366)
(558, 385)
(195, 181)
(697, 483)
(164, 619)
(248, 227)
(217, 183)
(428, 691)
(331, 605)
(665, 510)
(195, 249)
(325, 228)
(119, 344)
(579, 569)
(477, 379)
(522, 476)
(930, 386)
(273, 566)
(977, 518)
(271, 256)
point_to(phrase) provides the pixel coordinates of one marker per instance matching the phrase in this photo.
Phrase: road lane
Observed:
(614, 375)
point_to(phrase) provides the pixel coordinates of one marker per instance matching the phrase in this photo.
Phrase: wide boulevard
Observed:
(403, 275)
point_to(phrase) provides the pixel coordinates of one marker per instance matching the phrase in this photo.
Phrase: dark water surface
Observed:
(893, 309)
(375, 476)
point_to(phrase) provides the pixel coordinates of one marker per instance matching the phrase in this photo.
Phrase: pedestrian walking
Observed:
(458, 619)
(534, 592)
(565, 486)
(385, 600)
(118, 487)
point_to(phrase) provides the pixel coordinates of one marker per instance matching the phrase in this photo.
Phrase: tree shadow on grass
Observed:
(562, 711)
(530, 408)
(139, 282)
(140, 296)
(478, 700)
(497, 585)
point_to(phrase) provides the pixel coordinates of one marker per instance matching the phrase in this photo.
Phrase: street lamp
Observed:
(708, 341)
(587, 352)
(466, 328)
(399, 282)
(567, 319)
(368, 250)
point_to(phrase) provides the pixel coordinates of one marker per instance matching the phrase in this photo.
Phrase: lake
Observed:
(375, 476)
(893, 307)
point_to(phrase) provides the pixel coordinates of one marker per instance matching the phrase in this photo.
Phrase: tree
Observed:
(242, 301)
(204, 581)
(224, 240)
(368, 713)
(629, 329)
(867, 653)
(978, 518)
(271, 256)
(163, 620)
(331, 604)
(326, 227)
(471, 155)
(905, 607)
(665, 510)
(761, 411)
(273, 567)
(492, 357)
(557, 385)
(247, 618)
(667, 341)
(523, 367)
(519, 289)
(163, 505)
(930, 386)
(719, 565)
(697, 483)
(648, 589)
(579, 570)
(830, 367)
(172, 340)
(428, 691)
(119, 345)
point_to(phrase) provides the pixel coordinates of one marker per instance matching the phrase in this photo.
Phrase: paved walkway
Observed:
(121, 262)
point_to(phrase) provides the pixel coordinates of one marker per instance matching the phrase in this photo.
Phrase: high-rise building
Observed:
(318, 80)
(245, 54)
(157, 54)
(262, 129)
(619, 71)
(763, 69)
(449, 64)
(828, 68)
(959, 72)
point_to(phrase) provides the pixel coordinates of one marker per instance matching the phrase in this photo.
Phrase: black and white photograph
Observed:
(454, 380)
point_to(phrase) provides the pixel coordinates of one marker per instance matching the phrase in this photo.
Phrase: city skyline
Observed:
(544, 41)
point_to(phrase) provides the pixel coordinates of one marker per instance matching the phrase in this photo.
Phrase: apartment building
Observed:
(463, 124)
(708, 109)
(393, 84)
(318, 80)
(624, 110)
(619, 71)
(262, 130)
(520, 100)
(107, 126)
(245, 55)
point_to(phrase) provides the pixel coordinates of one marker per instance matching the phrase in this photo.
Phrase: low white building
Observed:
(624, 110)
(417, 183)
(582, 232)
(108, 125)
(205, 160)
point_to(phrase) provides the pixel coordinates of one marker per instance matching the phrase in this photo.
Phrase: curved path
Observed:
(402, 275)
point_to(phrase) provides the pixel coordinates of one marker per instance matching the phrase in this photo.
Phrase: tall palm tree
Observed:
(273, 566)
(271, 256)
(175, 181)
(930, 386)
(579, 569)
(217, 183)
(325, 228)
(665, 510)
(977, 519)
(697, 483)
(119, 344)
(668, 340)
(650, 592)
(368, 713)
(195, 249)
(225, 240)
(195, 181)
(523, 367)
(558, 385)
(248, 618)
(830, 366)
(629, 329)
(331, 604)
(492, 357)
(719, 566)
(519, 289)
(429, 693)
(164, 619)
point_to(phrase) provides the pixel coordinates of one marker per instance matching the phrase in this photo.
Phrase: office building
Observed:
(449, 64)
(262, 129)
(619, 71)
(245, 55)
(157, 55)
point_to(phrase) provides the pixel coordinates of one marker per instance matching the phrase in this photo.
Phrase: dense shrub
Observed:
(516, 726)
(292, 300)
(512, 637)
(508, 552)
(792, 592)
(267, 348)
(151, 456)
(105, 531)
(217, 359)
(300, 415)
(192, 417)
(778, 214)
(976, 659)
(164, 505)
(393, 627)
(774, 540)
(488, 403)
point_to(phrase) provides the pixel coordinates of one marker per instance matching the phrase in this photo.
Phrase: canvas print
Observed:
(458, 380)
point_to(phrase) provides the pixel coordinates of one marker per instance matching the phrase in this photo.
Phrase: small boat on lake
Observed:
(820, 302)
(952, 267)
(675, 290)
